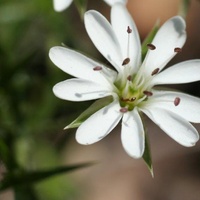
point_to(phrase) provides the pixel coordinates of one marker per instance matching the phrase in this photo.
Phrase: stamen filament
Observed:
(129, 31)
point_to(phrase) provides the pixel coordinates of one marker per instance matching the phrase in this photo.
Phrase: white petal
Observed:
(171, 35)
(132, 135)
(104, 38)
(131, 47)
(80, 90)
(175, 126)
(112, 2)
(184, 72)
(60, 5)
(79, 65)
(188, 108)
(100, 124)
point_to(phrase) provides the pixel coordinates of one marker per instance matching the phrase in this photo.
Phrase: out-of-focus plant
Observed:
(30, 115)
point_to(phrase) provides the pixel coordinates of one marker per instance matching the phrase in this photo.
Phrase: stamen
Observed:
(177, 101)
(177, 50)
(129, 30)
(97, 68)
(147, 93)
(126, 61)
(155, 71)
(151, 46)
(129, 78)
(123, 110)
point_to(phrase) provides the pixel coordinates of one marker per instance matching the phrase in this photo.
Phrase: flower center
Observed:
(133, 88)
(132, 91)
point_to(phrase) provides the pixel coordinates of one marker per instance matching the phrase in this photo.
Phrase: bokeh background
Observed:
(32, 118)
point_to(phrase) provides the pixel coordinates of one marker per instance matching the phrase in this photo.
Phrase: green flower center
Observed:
(132, 91)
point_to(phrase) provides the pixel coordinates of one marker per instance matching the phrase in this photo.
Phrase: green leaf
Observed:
(91, 110)
(81, 6)
(183, 8)
(149, 39)
(147, 156)
(26, 178)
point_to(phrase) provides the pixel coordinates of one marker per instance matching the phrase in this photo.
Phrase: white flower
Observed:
(132, 84)
(60, 5)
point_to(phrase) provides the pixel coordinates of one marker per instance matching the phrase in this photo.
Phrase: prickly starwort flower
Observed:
(132, 83)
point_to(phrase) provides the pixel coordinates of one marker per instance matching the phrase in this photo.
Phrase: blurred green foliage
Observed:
(31, 117)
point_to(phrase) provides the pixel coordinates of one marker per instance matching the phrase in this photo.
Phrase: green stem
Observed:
(183, 8)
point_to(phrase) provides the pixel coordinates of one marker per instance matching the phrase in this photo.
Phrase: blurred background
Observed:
(32, 118)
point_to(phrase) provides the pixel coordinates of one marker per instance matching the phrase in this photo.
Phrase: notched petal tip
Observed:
(191, 144)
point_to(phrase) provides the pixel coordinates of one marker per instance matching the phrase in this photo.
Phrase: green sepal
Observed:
(149, 39)
(97, 105)
(19, 178)
(147, 156)
(81, 6)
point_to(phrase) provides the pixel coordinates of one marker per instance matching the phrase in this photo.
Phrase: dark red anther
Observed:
(151, 46)
(97, 68)
(155, 71)
(177, 101)
(148, 93)
(129, 30)
(123, 110)
(129, 78)
(177, 50)
(126, 61)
